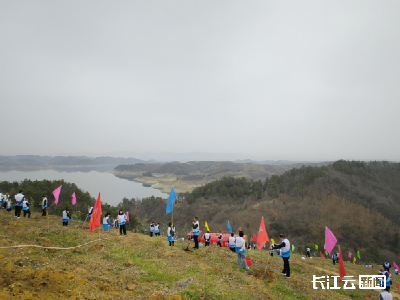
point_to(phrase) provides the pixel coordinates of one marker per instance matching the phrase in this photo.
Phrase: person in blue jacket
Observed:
(171, 234)
(157, 229)
(384, 270)
(284, 248)
(152, 229)
(232, 242)
(66, 217)
(25, 208)
(106, 222)
(19, 198)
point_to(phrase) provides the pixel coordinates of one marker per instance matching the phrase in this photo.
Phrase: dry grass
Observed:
(139, 267)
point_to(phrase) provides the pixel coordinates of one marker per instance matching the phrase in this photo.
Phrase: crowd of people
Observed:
(236, 244)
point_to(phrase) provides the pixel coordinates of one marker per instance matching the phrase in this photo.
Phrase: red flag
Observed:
(262, 235)
(342, 270)
(320, 253)
(251, 239)
(255, 238)
(397, 287)
(95, 219)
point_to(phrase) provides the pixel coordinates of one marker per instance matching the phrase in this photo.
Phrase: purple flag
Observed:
(127, 216)
(56, 194)
(394, 264)
(330, 240)
(349, 254)
(73, 199)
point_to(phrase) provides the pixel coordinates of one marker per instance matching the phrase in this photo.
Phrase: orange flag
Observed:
(262, 235)
(342, 270)
(95, 219)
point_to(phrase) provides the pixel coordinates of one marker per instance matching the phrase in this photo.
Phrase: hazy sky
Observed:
(296, 80)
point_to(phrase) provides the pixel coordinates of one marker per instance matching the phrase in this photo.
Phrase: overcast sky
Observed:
(296, 80)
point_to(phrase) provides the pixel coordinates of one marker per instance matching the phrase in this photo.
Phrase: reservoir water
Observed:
(112, 188)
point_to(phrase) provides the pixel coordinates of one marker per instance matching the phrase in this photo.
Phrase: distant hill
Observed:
(47, 162)
(358, 201)
(187, 176)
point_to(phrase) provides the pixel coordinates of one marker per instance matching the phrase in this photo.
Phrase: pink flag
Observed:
(349, 254)
(73, 199)
(127, 216)
(394, 264)
(330, 240)
(56, 194)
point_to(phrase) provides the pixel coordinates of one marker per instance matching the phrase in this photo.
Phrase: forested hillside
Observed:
(34, 190)
(358, 201)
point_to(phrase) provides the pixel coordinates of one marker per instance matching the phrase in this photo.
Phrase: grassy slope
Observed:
(99, 270)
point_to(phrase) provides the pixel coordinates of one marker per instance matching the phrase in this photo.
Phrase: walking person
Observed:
(66, 217)
(384, 270)
(157, 229)
(5, 198)
(25, 208)
(171, 234)
(220, 239)
(271, 251)
(196, 231)
(333, 259)
(106, 222)
(241, 250)
(207, 238)
(308, 252)
(44, 206)
(9, 204)
(152, 229)
(284, 249)
(19, 198)
(90, 211)
(121, 222)
(232, 242)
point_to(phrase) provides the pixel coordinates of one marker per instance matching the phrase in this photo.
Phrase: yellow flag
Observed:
(354, 261)
(272, 241)
(208, 229)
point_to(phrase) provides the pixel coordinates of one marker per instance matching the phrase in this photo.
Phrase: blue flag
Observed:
(229, 227)
(172, 197)
(315, 255)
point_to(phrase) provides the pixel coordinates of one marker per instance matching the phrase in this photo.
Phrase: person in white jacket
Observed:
(241, 250)
(121, 222)
(232, 242)
(171, 234)
(106, 222)
(66, 217)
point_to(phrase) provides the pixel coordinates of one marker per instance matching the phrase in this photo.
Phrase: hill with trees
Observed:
(358, 201)
(34, 190)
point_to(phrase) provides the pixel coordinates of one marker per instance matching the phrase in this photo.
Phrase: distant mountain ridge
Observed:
(359, 201)
(187, 176)
(43, 162)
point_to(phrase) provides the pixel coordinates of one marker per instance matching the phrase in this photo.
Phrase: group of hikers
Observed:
(21, 204)
(236, 244)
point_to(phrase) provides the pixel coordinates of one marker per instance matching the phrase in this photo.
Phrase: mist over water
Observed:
(112, 188)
